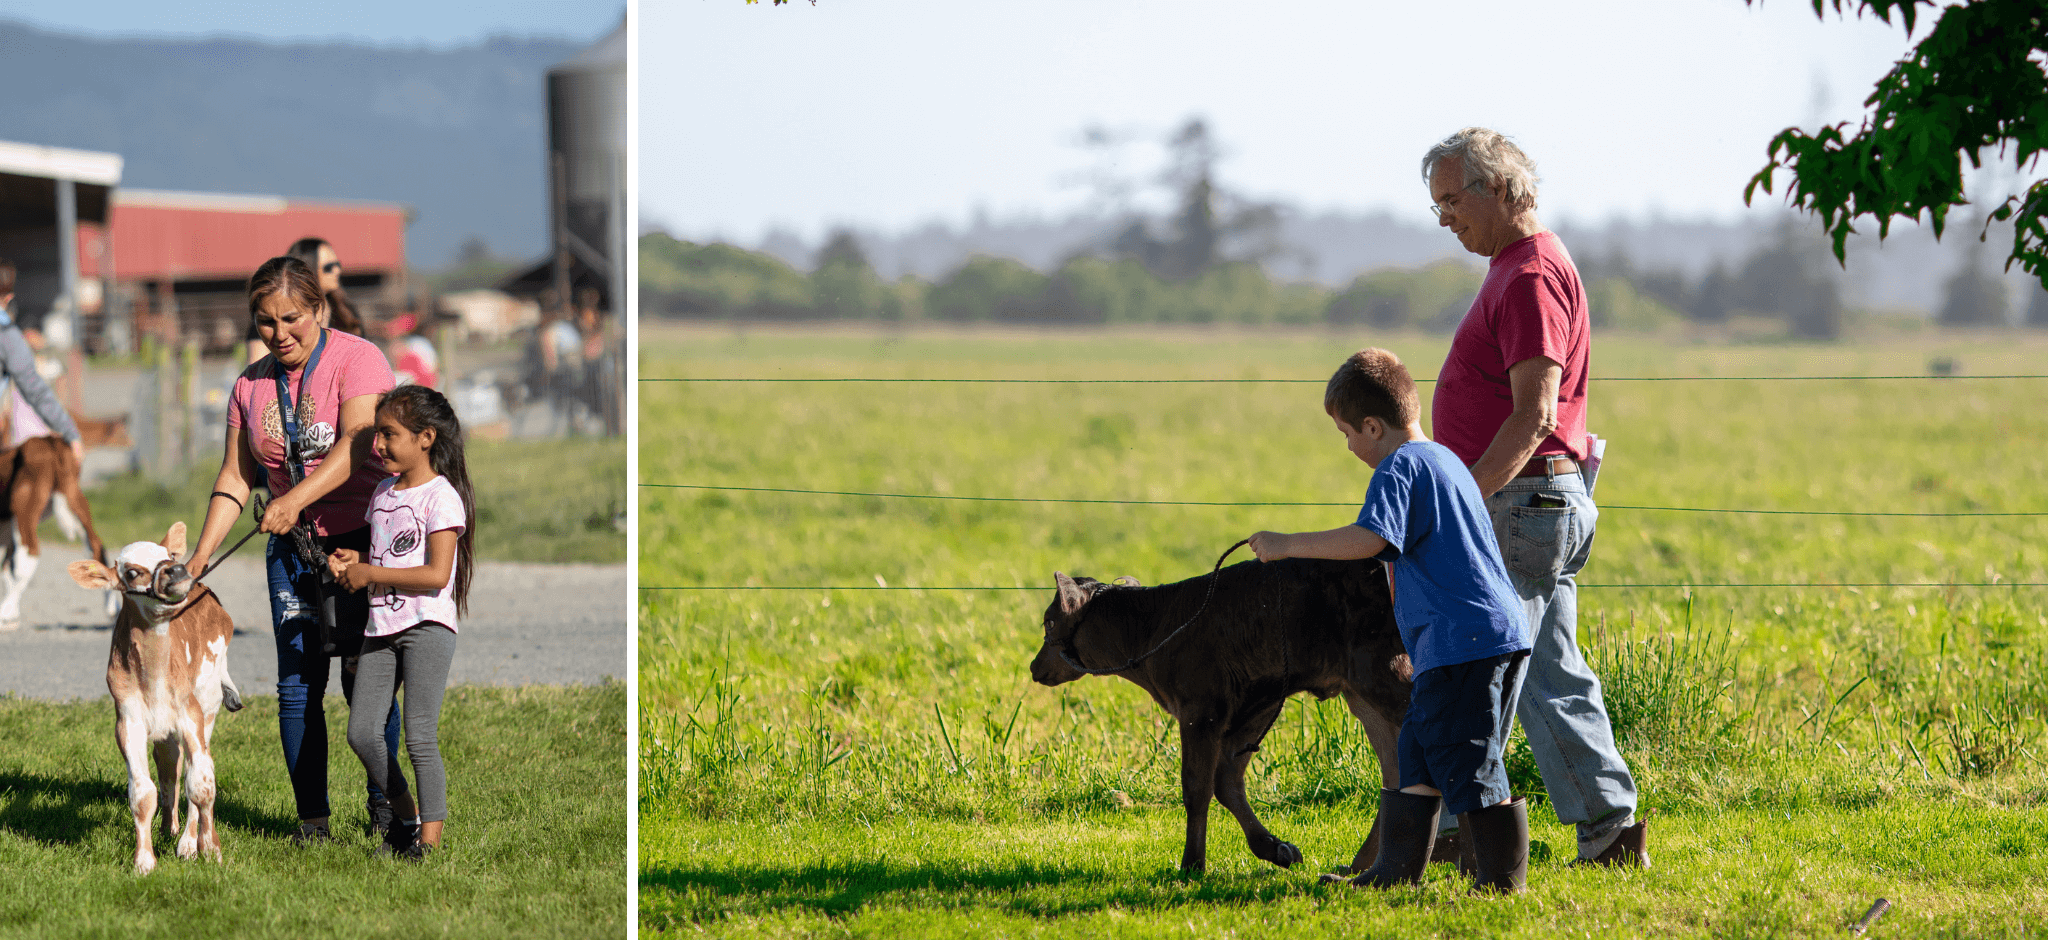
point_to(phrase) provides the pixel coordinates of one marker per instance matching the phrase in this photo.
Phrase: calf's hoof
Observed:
(1277, 851)
(144, 864)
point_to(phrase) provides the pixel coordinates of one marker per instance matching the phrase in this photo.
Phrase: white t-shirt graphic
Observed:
(400, 521)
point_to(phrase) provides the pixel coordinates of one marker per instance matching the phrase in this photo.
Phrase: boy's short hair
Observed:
(6, 276)
(1372, 384)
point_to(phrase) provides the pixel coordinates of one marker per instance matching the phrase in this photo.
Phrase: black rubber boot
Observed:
(1407, 834)
(1468, 860)
(1500, 846)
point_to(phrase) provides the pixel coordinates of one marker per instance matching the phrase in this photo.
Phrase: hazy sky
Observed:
(887, 114)
(440, 23)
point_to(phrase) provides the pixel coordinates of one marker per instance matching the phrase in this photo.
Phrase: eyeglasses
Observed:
(331, 267)
(1437, 209)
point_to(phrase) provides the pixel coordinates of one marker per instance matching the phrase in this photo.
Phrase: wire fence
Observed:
(1419, 381)
(1321, 504)
(1270, 503)
(1672, 584)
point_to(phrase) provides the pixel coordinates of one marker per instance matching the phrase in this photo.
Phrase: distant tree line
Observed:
(1202, 262)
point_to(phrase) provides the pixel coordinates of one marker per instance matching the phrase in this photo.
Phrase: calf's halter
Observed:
(1072, 656)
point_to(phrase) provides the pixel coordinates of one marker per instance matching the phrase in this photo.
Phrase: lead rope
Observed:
(1070, 655)
(256, 504)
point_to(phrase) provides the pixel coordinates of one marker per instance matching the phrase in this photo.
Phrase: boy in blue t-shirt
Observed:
(1459, 617)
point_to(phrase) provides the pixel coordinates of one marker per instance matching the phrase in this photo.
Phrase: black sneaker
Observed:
(311, 834)
(417, 852)
(381, 816)
(400, 839)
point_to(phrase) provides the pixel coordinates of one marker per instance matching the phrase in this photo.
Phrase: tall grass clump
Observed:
(1667, 691)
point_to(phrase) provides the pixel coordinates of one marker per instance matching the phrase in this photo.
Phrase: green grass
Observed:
(535, 841)
(537, 501)
(1801, 751)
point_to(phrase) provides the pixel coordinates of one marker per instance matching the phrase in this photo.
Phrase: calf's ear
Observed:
(91, 575)
(1071, 595)
(174, 541)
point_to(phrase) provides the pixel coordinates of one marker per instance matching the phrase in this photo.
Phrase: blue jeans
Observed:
(1561, 710)
(302, 664)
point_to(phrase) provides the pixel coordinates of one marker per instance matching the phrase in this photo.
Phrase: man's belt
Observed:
(1552, 465)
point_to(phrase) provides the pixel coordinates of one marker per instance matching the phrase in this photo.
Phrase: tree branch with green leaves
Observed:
(1976, 82)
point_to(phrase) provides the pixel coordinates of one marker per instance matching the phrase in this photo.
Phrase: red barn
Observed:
(178, 261)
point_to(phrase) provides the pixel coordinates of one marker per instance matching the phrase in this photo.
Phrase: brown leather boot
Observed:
(1407, 833)
(1500, 846)
(1630, 849)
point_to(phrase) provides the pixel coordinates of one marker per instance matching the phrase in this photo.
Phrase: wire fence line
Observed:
(1597, 378)
(1668, 584)
(1284, 503)
(1278, 503)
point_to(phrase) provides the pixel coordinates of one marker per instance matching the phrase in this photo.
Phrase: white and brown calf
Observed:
(168, 673)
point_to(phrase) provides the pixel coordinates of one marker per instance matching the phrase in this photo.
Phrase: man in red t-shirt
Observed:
(1511, 403)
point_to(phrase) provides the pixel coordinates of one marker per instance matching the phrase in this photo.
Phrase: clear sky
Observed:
(438, 23)
(887, 114)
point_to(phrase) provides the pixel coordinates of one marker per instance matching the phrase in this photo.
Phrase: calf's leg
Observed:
(1238, 753)
(199, 781)
(167, 766)
(26, 499)
(1384, 733)
(1201, 749)
(133, 737)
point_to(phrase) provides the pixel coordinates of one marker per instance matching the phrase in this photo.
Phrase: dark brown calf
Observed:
(1269, 630)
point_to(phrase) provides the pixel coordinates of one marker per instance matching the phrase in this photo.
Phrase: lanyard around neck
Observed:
(288, 410)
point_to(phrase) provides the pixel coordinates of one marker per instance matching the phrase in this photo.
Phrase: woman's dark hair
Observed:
(288, 276)
(417, 408)
(341, 311)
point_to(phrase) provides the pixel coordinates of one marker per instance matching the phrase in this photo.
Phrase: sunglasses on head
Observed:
(330, 267)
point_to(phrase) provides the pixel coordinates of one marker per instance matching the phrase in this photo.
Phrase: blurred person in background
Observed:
(556, 359)
(599, 392)
(339, 313)
(413, 357)
(35, 410)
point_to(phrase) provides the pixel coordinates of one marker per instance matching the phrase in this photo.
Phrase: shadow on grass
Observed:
(836, 888)
(59, 811)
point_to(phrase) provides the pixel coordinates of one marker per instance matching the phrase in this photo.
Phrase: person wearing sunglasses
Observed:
(339, 313)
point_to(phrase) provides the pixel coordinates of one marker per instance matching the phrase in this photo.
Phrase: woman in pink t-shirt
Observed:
(334, 380)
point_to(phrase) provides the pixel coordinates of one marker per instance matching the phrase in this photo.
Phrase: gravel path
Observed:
(528, 623)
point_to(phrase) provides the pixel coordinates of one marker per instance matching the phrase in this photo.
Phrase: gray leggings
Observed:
(417, 659)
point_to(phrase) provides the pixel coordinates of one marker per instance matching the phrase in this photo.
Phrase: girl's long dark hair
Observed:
(418, 408)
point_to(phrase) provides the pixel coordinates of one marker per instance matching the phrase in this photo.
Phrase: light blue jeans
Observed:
(1561, 710)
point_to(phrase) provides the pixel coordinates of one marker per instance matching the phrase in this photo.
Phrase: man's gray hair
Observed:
(1490, 158)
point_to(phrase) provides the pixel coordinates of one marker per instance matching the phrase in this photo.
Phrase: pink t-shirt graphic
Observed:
(350, 367)
(400, 521)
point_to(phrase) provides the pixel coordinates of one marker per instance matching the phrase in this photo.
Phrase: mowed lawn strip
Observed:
(1764, 713)
(1740, 873)
(535, 842)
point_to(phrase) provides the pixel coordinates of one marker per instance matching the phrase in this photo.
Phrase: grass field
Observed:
(878, 762)
(535, 842)
(543, 501)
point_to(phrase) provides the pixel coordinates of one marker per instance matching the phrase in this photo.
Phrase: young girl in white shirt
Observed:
(422, 526)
